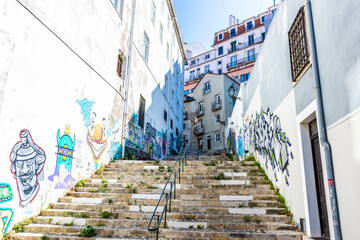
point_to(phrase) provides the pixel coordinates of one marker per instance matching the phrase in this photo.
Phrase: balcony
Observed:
(216, 105)
(186, 117)
(198, 131)
(246, 44)
(206, 90)
(242, 62)
(200, 112)
(232, 34)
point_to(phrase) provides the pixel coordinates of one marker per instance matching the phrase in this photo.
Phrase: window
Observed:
(207, 56)
(233, 32)
(141, 112)
(171, 123)
(207, 87)
(219, 62)
(168, 22)
(153, 13)
(167, 51)
(177, 132)
(192, 62)
(161, 33)
(220, 36)
(197, 72)
(249, 25)
(217, 137)
(273, 11)
(119, 6)
(233, 61)
(146, 44)
(200, 123)
(217, 118)
(299, 55)
(207, 68)
(192, 74)
(251, 55)
(197, 60)
(200, 106)
(233, 46)
(121, 65)
(217, 98)
(244, 77)
(220, 51)
(251, 39)
(262, 20)
(219, 71)
(165, 116)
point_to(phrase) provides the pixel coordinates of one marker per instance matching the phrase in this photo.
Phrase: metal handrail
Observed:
(182, 156)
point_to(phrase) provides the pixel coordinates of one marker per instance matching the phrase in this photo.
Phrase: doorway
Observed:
(319, 180)
(208, 142)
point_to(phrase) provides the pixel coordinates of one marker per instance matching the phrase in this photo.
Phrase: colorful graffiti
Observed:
(27, 161)
(149, 145)
(115, 150)
(269, 140)
(5, 219)
(96, 129)
(5, 192)
(65, 153)
(240, 146)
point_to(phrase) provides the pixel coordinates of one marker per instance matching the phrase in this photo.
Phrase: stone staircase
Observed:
(119, 201)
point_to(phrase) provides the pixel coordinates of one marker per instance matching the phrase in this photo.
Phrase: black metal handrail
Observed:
(180, 160)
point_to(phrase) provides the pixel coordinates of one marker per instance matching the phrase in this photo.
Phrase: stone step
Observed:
(171, 223)
(246, 201)
(174, 208)
(164, 233)
(52, 213)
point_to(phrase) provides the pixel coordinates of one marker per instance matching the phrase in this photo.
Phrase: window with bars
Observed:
(299, 54)
(141, 112)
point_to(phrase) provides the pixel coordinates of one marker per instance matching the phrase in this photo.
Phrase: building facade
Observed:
(300, 111)
(235, 49)
(105, 81)
(207, 112)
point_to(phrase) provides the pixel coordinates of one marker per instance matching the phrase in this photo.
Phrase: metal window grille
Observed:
(299, 54)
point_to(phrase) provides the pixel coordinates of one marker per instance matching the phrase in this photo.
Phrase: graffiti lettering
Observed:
(150, 131)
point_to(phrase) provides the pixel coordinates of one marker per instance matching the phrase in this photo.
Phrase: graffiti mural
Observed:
(5, 192)
(265, 134)
(65, 153)
(5, 218)
(97, 132)
(115, 150)
(240, 146)
(27, 161)
(149, 143)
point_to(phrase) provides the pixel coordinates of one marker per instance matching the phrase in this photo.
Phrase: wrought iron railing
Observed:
(243, 61)
(200, 112)
(198, 130)
(178, 166)
(246, 44)
(216, 105)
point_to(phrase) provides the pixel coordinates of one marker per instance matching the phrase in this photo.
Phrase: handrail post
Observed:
(175, 189)
(166, 194)
(179, 174)
(157, 230)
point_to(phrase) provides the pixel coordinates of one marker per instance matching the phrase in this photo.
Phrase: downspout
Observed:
(322, 128)
(127, 80)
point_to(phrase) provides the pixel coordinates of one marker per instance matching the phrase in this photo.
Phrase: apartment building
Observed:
(235, 49)
(207, 110)
(83, 82)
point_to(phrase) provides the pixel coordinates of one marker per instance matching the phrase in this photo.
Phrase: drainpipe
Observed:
(322, 128)
(127, 80)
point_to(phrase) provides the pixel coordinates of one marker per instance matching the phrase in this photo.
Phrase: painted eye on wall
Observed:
(30, 161)
(19, 163)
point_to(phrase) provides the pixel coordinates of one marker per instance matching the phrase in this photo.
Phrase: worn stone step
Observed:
(167, 233)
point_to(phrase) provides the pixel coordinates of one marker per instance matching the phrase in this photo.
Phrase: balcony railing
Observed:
(206, 90)
(242, 61)
(200, 112)
(198, 131)
(246, 44)
(216, 105)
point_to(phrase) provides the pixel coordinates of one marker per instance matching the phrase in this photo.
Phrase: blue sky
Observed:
(200, 19)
